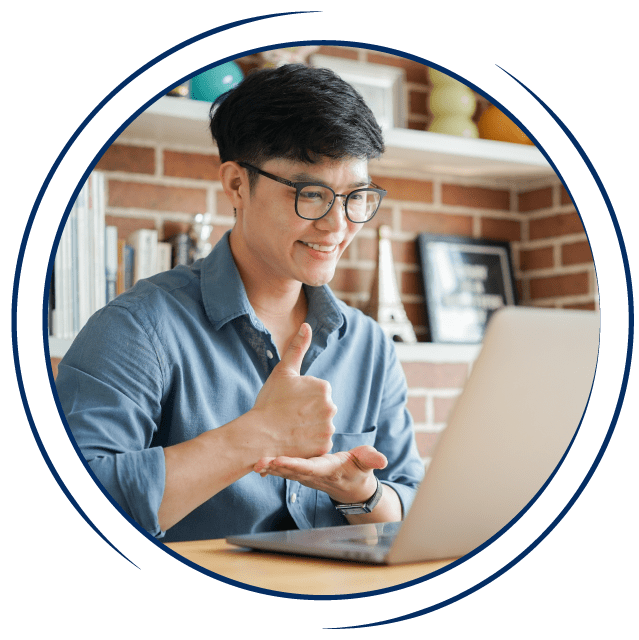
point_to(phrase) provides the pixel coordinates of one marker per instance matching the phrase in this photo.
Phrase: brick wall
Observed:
(156, 186)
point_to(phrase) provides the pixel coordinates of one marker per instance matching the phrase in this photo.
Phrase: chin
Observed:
(317, 280)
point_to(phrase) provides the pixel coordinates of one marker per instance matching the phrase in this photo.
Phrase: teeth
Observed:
(320, 247)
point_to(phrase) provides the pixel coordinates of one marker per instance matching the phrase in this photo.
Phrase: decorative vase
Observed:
(495, 125)
(212, 83)
(452, 105)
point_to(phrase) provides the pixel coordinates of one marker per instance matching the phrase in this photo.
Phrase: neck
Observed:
(275, 302)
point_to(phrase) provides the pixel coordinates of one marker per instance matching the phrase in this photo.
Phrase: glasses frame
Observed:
(298, 186)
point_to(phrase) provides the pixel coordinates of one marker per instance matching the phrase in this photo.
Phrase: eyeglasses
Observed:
(314, 200)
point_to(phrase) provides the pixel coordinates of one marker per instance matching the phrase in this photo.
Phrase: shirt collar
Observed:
(224, 296)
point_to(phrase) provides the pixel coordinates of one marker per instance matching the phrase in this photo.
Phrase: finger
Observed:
(367, 457)
(291, 362)
(262, 464)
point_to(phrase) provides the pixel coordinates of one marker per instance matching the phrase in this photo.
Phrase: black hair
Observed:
(294, 112)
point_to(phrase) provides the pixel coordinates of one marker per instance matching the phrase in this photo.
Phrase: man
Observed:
(239, 394)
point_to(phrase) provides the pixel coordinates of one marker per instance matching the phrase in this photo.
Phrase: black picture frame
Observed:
(465, 281)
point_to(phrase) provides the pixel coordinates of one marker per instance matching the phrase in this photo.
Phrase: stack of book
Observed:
(92, 265)
(78, 286)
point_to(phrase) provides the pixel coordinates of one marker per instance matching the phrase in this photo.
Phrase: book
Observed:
(164, 256)
(128, 260)
(79, 275)
(111, 261)
(145, 245)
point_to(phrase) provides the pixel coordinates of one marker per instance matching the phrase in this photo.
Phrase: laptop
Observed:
(507, 432)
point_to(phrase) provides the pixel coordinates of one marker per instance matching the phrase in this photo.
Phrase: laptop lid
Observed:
(507, 432)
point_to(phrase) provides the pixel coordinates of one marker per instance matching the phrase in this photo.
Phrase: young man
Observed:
(239, 394)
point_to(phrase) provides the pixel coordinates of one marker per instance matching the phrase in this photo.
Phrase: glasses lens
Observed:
(362, 204)
(314, 201)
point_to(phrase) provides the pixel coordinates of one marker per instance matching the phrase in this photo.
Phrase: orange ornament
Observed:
(494, 125)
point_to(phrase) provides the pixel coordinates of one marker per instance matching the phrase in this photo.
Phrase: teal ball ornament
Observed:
(211, 84)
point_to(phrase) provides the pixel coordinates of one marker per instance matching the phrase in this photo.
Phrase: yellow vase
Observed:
(452, 105)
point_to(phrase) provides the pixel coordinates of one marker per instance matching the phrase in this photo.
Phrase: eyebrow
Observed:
(307, 177)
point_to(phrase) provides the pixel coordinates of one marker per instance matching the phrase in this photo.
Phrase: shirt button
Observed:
(293, 497)
(269, 354)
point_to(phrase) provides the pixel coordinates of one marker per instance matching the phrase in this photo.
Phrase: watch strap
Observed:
(354, 508)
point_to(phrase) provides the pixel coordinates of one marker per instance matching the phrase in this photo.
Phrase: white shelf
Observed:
(184, 122)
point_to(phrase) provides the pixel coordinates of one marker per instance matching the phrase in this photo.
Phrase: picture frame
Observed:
(465, 281)
(381, 86)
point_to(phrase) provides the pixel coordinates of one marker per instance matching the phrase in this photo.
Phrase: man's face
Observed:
(273, 241)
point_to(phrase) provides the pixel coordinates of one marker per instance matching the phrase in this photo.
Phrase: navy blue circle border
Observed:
(49, 177)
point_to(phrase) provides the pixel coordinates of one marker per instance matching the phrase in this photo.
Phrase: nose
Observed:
(335, 219)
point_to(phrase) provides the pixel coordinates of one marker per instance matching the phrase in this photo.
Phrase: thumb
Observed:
(367, 457)
(291, 362)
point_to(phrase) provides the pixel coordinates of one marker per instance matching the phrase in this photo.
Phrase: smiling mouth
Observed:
(325, 248)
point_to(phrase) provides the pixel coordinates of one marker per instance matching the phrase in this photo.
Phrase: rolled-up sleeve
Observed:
(110, 386)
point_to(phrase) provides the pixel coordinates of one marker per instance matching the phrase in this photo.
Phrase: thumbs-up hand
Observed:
(295, 412)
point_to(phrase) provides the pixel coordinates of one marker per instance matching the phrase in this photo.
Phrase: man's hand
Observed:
(346, 476)
(295, 412)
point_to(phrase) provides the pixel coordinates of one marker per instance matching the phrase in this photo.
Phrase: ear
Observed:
(235, 183)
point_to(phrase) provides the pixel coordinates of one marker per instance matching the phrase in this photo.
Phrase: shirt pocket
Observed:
(348, 441)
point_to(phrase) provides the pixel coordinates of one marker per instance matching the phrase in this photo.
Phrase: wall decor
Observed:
(465, 281)
(381, 86)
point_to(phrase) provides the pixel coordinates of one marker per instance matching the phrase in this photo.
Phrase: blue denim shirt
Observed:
(183, 352)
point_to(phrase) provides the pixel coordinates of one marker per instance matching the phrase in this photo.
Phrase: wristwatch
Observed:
(354, 508)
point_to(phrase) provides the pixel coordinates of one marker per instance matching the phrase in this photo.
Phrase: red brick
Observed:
(448, 224)
(157, 197)
(562, 285)
(127, 226)
(416, 312)
(120, 157)
(480, 197)
(426, 443)
(500, 229)
(415, 71)
(417, 102)
(417, 409)
(218, 231)
(383, 216)
(442, 408)
(538, 199)
(435, 375)
(555, 225)
(576, 253)
(412, 283)
(406, 189)
(586, 306)
(404, 252)
(198, 166)
(224, 207)
(366, 248)
(416, 125)
(352, 280)
(565, 197)
(536, 258)
(173, 227)
(338, 52)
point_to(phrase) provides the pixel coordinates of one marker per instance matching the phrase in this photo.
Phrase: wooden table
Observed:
(296, 574)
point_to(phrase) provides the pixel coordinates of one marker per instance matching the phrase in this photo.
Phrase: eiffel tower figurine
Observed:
(384, 304)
